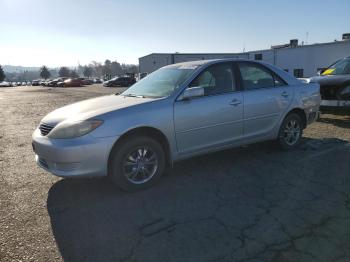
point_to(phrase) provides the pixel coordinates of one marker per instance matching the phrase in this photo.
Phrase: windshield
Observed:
(341, 67)
(160, 83)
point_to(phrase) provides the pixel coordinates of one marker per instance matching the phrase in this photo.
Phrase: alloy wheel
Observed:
(140, 165)
(292, 131)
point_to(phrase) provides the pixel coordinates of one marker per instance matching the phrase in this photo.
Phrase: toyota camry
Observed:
(177, 112)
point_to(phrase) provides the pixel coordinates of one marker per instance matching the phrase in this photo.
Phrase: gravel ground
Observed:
(254, 203)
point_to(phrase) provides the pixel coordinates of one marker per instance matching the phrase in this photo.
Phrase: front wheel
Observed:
(290, 132)
(136, 163)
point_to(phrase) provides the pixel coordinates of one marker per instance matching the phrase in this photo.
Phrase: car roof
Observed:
(291, 80)
(205, 62)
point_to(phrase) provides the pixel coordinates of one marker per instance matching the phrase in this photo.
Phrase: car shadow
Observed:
(92, 220)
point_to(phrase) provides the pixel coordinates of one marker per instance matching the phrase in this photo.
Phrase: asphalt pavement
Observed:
(254, 203)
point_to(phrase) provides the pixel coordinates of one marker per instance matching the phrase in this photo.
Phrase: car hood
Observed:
(331, 80)
(92, 107)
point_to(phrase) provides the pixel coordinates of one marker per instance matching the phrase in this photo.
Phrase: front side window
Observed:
(299, 72)
(342, 67)
(255, 76)
(216, 79)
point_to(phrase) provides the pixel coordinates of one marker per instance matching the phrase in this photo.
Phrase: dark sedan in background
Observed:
(124, 81)
(35, 82)
(335, 81)
(55, 82)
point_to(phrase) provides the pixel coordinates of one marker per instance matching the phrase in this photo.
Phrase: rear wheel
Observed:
(290, 132)
(136, 163)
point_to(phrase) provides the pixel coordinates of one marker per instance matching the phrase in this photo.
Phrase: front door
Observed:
(216, 118)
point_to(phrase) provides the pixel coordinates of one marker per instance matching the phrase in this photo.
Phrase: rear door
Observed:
(214, 119)
(266, 98)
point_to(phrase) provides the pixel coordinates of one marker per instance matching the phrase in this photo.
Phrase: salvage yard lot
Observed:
(248, 204)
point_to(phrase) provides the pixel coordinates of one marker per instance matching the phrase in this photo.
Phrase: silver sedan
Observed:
(177, 112)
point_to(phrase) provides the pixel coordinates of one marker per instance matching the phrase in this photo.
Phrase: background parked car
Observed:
(98, 81)
(35, 82)
(86, 81)
(5, 84)
(54, 83)
(335, 81)
(120, 81)
(72, 82)
(44, 82)
(143, 75)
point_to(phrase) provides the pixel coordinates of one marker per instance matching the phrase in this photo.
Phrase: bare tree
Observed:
(127, 68)
(2, 74)
(64, 72)
(97, 68)
(107, 68)
(44, 72)
(87, 71)
(116, 68)
(73, 74)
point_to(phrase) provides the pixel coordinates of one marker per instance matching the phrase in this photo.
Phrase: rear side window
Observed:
(255, 76)
(299, 72)
(217, 79)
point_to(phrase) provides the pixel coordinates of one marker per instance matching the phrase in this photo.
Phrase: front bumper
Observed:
(84, 156)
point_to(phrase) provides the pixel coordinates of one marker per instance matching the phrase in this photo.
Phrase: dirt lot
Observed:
(254, 203)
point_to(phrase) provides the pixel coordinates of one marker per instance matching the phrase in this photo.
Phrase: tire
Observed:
(290, 132)
(131, 169)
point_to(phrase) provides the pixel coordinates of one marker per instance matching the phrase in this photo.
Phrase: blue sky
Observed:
(65, 32)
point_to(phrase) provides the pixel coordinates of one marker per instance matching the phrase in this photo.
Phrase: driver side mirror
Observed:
(192, 92)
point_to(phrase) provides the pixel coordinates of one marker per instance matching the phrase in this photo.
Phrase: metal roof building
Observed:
(299, 60)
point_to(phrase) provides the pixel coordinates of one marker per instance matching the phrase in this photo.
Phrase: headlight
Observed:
(74, 129)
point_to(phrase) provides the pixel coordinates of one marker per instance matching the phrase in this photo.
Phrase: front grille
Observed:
(45, 129)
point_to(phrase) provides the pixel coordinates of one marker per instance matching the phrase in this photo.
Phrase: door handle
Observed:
(235, 102)
(285, 94)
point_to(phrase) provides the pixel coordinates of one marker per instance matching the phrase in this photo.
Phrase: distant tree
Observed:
(44, 72)
(107, 68)
(73, 74)
(87, 72)
(108, 63)
(97, 68)
(64, 72)
(80, 69)
(116, 68)
(2, 74)
(130, 68)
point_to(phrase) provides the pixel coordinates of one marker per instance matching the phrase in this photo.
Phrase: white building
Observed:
(299, 60)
